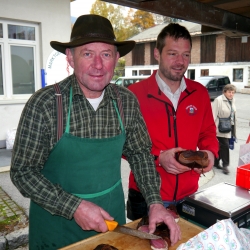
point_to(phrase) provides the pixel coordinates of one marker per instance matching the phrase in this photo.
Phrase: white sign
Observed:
(57, 68)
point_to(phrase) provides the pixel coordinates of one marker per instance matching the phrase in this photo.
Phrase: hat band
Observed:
(92, 35)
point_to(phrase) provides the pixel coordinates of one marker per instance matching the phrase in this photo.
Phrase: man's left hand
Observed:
(157, 214)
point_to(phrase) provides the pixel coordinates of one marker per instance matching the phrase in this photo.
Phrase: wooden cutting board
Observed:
(126, 242)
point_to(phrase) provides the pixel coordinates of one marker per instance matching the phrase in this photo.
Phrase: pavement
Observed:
(8, 191)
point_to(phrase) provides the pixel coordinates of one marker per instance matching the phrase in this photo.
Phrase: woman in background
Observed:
(223, 107)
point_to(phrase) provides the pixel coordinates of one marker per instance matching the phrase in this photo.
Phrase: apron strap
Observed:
(59, 111)
(94, 195)
(119, 101)
(68, 119)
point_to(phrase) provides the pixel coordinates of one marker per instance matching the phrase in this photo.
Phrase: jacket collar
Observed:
(154, 90)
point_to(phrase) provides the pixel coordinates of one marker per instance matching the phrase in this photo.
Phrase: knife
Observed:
(113, 226)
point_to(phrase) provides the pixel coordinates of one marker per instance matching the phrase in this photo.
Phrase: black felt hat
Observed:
(93, 28)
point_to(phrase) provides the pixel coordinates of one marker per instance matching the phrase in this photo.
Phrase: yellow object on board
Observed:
(111, 224)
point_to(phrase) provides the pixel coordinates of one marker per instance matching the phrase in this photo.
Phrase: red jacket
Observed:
(190, 126)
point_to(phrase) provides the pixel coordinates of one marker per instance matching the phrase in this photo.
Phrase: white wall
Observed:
(214, 69)
(53, 18)
(224, 69)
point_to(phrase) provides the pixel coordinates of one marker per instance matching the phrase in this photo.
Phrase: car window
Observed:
(212, 84)
(135, 80)
(226, 80)
(126, 83)
(221, 82)
(118, 82)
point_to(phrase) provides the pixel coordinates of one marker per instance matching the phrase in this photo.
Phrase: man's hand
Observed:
(169, 163)
(157, 214)
(91, 217)
(210, 163)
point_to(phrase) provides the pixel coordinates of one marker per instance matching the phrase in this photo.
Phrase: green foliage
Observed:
(119, 69)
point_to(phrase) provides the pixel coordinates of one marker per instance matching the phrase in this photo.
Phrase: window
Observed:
(22, 68)
(134, 72)
(21, 32)
(238, 75)
(1, 30)
(153, 61)
(138, 54)
(1, 72)
(145, 72)
(191, 74)
(204, 72)
(208, 48)
(19, 59)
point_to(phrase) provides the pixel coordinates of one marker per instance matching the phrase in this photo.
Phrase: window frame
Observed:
(234, 74)
(6, 43)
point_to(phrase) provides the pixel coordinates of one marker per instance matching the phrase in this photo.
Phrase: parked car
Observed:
(126, 81)
(214, 84)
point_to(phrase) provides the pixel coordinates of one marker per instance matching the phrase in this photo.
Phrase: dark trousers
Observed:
(136, 205)
(223, 152)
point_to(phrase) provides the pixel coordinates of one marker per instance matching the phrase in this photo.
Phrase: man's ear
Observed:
(156, 54)
(117, 56)
(70, 57)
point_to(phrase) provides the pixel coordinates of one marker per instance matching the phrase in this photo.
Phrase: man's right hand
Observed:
(89, 216)
(168, 162)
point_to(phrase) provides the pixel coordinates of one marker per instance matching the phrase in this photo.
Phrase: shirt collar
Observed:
(165, 88)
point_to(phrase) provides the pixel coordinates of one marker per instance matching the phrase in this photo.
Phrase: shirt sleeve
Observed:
(30, 151)
(137, 151)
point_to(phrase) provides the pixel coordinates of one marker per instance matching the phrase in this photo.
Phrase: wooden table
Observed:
(126, 242)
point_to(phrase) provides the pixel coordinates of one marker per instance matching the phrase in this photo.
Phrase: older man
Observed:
(69, 143)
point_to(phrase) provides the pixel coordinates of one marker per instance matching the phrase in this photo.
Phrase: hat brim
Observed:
(123, 47)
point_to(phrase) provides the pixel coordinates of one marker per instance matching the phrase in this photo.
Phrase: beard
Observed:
(168, 75)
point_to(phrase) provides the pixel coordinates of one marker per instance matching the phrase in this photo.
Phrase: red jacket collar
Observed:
(154, 90)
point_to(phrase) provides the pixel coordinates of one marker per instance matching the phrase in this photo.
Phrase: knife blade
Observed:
(113, 226)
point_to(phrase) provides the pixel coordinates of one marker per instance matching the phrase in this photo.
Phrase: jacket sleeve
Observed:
(215, 108)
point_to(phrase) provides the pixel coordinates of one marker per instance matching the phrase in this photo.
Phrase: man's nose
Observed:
(97, 62)
(180, 58)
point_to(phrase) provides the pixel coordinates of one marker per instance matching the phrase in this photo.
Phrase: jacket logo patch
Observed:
(191, 110)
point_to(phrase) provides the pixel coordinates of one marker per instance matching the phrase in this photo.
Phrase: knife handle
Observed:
(111, 224)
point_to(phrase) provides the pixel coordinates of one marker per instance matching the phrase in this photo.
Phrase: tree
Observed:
(143, 20)
(115, 16)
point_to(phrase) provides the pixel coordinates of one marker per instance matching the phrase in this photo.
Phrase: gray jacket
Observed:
(221, 108)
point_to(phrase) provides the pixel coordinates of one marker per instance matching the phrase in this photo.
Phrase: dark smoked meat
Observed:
(162, 230)
(105, 247)
(193, 159)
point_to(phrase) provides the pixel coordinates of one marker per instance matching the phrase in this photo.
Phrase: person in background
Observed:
(224, 106)
(178, 115)
(69, 143)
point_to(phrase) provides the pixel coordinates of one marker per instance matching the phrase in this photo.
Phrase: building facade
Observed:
(212, 54)
(26, 29)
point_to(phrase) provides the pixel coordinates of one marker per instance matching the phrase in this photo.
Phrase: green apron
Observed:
(87, 168)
